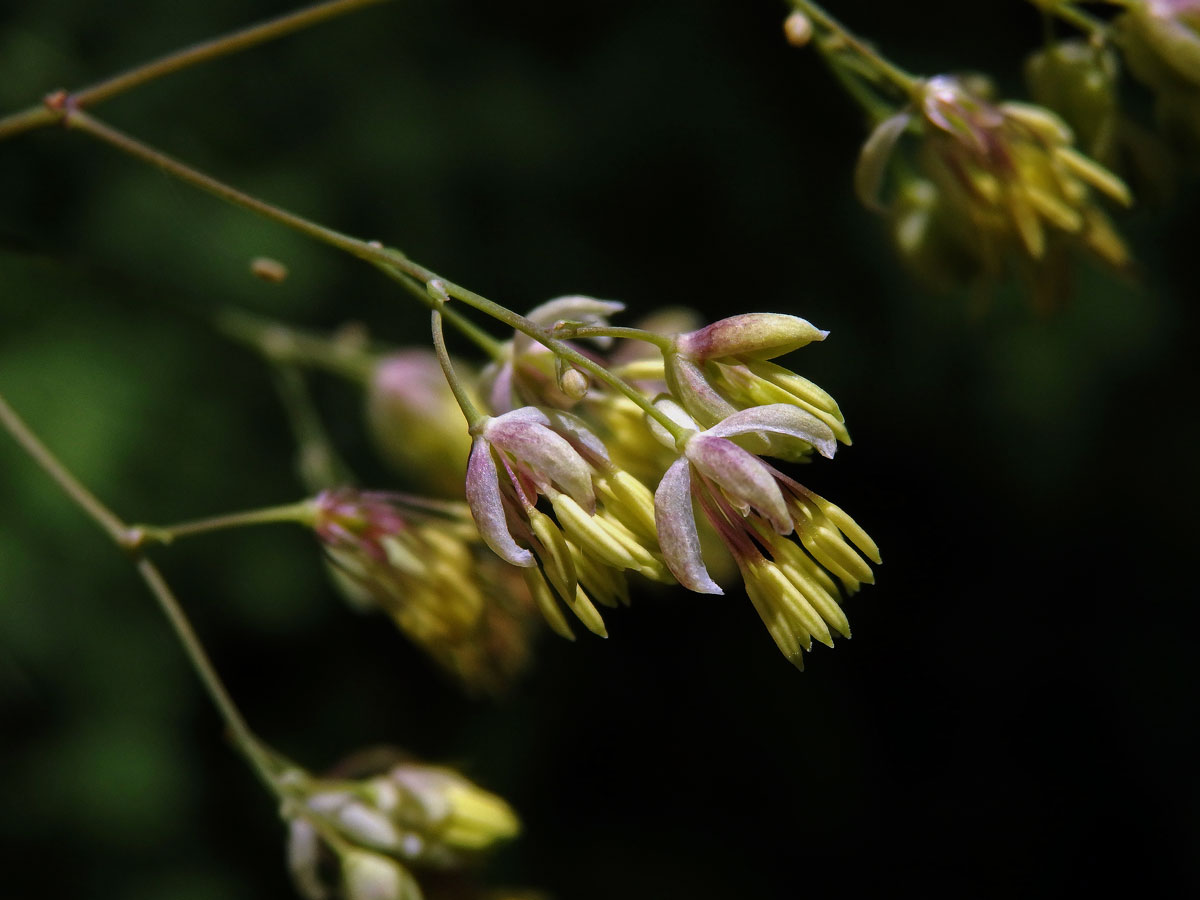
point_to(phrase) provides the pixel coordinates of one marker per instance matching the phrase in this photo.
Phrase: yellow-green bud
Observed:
(372, 876)
(749, 336)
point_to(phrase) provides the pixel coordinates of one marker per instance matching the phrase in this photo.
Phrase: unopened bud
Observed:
(798, 30)
(573, 383)
(750, 336)
(415, 421)
(461, 815)
(372, 876)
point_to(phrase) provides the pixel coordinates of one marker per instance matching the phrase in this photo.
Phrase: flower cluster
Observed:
(547, 496)
(990, 185)
(1160, 40)
(382, 827)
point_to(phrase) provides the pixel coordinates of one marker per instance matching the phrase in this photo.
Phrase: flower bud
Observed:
(372, 876)
(415, 422)
(1078, 80)
(750, 336)
(1161, 40)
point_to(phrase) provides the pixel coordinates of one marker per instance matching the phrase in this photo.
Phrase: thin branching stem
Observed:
(127, 539)
(844, 39)
(299, 513)
(40, 116)
(371, 251)
(470, 413)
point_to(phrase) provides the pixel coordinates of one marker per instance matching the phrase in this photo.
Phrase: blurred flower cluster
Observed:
(382, 823)
(977, 190)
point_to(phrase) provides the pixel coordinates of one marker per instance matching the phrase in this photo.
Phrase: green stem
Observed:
(661, 341)
(284, 344)
(470, 413)
(126, 538)
(298, 513)
(68, 483)
(259, 758)
(317, 461)
(370, 251)
(1073, 15)
(81, 121)
(472, 332)
(40, 116)
(222, 46)
(906, 82)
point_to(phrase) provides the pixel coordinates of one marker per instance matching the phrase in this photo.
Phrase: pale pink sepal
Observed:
(487, 506)
(676, 526)
(548, 457)
(742, 475)
(780, 418)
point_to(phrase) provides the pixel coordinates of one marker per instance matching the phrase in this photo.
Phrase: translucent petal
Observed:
(677, 535)
(487, 506)
(874, 157)
(548, 456)
(779, 418)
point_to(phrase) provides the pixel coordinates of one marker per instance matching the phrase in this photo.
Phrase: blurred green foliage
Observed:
(1013, 715)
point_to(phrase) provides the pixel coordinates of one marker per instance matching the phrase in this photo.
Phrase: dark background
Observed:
(1016, 713)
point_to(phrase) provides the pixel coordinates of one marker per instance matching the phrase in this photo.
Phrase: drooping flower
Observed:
(421, 562)
(717, 370)
(754, 508)
(599, 526)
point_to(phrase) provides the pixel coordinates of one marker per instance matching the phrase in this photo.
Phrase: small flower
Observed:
(1078, 80)
(754, 507)
(723, 368)
(576, 555)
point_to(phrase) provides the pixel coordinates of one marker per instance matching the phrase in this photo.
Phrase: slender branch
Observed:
(1095, 28)
(70, 485)
(126, 539)
(472, 332)
(81, 121)
(299, 513)
(239, 731)
(317, 462)
(281, 343)
(39, 116)
(222, 46)
(27, 120)
(470, 413)
(661, 341)
(370, 251)
(909, 84)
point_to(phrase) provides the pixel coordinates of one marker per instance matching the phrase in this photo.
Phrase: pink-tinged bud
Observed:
(415, 422)
(749, 336)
